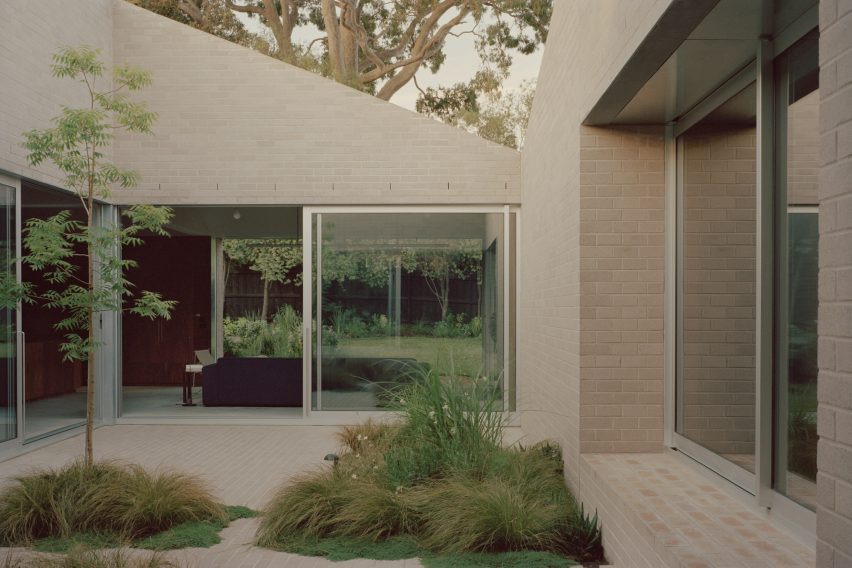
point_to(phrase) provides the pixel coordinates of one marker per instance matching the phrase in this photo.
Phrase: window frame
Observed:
(768, 70)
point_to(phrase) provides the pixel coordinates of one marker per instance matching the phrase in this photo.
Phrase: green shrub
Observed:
(82, 557)
(104, 498)
(240, 334)
(305, 508)
(250, 336)
(407, 465)
(475, 326)
(346, 323)
(581, 535)
(459, 420)
(417, 329)
(455, 325)
(335, 505)
(367, 436)
(494, 515)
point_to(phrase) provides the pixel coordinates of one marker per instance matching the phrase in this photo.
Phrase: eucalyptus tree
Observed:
(375, 45)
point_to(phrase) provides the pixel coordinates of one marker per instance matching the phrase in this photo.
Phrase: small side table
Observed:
(189, 383)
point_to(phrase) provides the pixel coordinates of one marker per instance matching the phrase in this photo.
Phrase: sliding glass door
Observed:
(397, 294)
(8, 317)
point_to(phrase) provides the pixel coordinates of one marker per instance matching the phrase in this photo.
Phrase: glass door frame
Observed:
(17, 441)
(675, 168)
(308, 213)
(758, 485)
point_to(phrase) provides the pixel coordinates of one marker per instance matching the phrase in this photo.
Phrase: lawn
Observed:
(459, 356)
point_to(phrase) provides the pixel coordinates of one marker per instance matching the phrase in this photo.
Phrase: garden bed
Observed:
(438, 485)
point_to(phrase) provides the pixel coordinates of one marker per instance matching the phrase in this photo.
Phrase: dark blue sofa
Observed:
(252, 381)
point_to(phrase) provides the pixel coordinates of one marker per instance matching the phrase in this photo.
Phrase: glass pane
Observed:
(54, 389)
(8, 336)
(717, 367)
(400, 294)
(796, 376)
(233, 346)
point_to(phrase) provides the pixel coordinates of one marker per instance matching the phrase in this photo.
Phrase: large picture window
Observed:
(396, 294)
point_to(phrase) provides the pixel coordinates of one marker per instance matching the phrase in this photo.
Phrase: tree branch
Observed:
(245, 9)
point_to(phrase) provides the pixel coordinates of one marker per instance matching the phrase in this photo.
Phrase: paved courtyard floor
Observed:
(243, 464)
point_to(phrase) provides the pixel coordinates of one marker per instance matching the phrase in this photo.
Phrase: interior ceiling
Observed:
(238, 222)
(722, 44)
(739, 110)
(38, 196)
(410, 227)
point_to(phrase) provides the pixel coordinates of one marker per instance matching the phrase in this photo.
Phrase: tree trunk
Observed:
(90, 383)
(264, 310)
(398, 81)
(332, 30)
(445, 296)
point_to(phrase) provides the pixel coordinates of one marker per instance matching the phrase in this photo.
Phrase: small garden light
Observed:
(331, 458)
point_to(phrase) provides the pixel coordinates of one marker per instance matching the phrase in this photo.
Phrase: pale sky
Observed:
(460, 65)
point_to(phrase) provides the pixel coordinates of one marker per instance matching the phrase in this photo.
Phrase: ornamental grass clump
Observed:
(439, 477)
(105, 498)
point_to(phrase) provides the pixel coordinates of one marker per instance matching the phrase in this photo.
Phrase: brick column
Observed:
(834, 481)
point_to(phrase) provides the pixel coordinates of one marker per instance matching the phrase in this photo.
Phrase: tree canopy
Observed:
(272, 259)
(438, 264)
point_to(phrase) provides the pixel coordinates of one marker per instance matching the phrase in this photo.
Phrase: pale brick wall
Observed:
(719, 290)
(30, 34)
(621, 289)
(589, 42)
(236, 126)
(834, 480)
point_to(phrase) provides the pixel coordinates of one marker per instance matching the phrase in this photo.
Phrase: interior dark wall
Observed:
(46, 374)
(155, 352)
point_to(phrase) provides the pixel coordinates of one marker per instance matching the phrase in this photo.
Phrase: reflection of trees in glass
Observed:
(436, 261)
(803, 256)
(272, 259)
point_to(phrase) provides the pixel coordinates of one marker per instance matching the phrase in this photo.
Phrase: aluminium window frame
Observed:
(769, 127)
(310, 294)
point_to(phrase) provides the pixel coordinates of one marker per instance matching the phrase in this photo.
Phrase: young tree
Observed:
(58, 245)
(273, 259)
(460, 259)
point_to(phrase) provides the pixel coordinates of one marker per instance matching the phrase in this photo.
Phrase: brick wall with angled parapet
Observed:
(238, 127)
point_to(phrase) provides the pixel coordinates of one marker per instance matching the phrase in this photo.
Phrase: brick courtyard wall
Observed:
(621, 289)
(31, 33)
(719, 290)
(834, 480)
(590, 41)
(236, 126)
